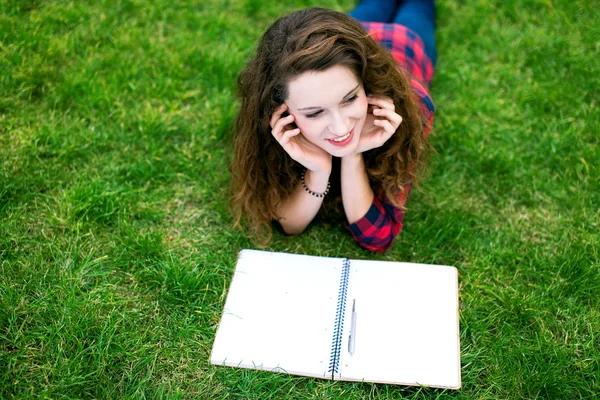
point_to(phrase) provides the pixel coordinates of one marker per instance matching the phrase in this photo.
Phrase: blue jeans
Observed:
(418, 15)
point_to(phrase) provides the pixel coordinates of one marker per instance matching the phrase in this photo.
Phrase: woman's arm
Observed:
(302, 207)
(372, 225)
(380, 124)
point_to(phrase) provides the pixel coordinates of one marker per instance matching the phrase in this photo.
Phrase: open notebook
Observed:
(335, 318)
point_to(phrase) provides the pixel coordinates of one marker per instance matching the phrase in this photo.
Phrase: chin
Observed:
(344, 151)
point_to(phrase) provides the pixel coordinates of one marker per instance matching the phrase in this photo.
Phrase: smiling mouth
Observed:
(342, 140)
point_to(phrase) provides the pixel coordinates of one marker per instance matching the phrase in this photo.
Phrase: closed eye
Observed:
(317, 113)
(351, 99)
(314, 115)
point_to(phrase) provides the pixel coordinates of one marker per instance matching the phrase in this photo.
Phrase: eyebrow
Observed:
(347, 94)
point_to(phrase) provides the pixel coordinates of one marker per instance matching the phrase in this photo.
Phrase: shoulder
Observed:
(391, 35)
(405, 46)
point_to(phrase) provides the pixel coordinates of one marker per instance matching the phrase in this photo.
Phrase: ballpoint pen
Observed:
(352, 338)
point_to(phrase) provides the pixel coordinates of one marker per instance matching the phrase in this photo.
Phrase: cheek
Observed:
(308, 128)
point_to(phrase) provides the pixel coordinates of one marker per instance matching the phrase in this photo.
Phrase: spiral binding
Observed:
(338, 328)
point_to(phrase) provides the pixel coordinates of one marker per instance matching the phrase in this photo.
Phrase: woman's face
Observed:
(330, 108)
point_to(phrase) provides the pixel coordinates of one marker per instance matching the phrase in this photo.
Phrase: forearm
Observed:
(357, 195)
(302, 207)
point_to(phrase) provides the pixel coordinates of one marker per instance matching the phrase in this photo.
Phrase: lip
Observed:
(343, 142)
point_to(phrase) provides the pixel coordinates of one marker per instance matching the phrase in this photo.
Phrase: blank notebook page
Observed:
(406, 324)
(284, 306)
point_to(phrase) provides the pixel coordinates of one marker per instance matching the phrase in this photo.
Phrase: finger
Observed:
(285, 138)
(277, 114)
(383, 102)
(391, 115)
(278, 129)
(386, 125)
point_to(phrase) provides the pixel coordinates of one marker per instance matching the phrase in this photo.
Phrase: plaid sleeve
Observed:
(379, 227)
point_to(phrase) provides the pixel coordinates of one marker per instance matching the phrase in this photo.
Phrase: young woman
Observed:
(334, 120)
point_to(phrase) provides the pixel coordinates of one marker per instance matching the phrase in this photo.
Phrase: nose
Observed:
(339, 124)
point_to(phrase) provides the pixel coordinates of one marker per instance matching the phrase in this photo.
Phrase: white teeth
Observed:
(342, 138)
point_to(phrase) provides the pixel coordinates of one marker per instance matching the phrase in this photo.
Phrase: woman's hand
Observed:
(311, 156)
(380, 124)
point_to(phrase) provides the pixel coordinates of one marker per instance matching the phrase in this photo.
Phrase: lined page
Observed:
(279, 313)
(406, 324)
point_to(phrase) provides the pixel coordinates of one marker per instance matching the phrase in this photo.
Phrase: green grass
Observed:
(116, 245)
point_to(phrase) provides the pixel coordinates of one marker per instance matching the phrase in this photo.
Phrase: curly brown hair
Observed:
(263, 175)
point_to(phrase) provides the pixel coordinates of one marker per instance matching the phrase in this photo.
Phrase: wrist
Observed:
(317, 182)
(353, 160)
(324, 170)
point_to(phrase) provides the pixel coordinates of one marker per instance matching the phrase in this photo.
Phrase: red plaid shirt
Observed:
(381, 224)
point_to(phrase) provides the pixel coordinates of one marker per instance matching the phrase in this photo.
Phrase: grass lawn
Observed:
(117, 247)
